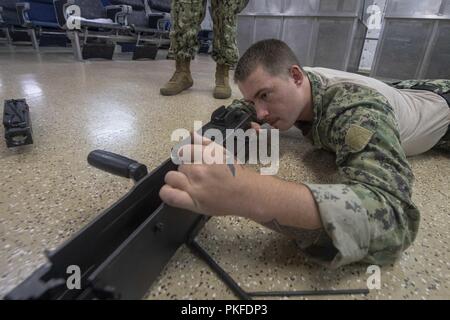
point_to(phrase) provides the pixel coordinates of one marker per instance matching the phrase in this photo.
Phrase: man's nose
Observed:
(261, 113)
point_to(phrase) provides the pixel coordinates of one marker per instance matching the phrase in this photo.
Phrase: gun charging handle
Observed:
(117, 164)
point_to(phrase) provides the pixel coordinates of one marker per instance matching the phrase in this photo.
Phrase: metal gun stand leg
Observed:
(242, 294)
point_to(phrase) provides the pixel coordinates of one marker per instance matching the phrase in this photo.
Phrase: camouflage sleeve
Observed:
(438, 86)
(369, 216)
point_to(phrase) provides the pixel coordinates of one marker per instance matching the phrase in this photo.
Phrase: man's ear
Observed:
(297, 75)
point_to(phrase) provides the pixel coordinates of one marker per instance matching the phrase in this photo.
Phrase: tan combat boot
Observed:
(222, 89)
(181, 79)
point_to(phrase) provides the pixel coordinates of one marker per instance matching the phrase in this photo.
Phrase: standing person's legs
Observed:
(225, 52)
(187, 16)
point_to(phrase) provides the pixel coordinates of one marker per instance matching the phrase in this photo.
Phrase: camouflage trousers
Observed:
(440, 87)
(187, 15)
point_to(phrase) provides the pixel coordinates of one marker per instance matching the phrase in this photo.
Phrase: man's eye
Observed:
(264, 96)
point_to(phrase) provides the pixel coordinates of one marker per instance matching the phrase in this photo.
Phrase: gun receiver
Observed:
(123, 250)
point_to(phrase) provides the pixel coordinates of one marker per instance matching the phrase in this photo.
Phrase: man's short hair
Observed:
(273, 55)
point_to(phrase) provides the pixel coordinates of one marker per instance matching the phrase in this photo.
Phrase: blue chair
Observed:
(13, 26)
(9, 13)
(99, 26)
(146, 14)
(40, 17)
(151, 27)
(4, 33)
(38, 13)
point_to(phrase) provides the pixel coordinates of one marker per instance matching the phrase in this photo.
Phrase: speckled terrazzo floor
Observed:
(48, 191)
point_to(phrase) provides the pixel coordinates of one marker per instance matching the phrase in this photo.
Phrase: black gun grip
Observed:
(117, 164)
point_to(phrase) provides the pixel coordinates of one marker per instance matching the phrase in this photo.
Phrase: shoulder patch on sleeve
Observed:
(358, 137)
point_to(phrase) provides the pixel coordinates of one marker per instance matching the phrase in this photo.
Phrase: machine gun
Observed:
(124, 249)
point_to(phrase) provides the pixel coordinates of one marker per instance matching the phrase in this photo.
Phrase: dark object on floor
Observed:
(98, 50)
(20, 36)
(145, 52)
(53, 40)
(17, 123)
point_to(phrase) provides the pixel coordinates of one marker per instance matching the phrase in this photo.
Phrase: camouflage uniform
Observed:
(369, 215)
(187, 16)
